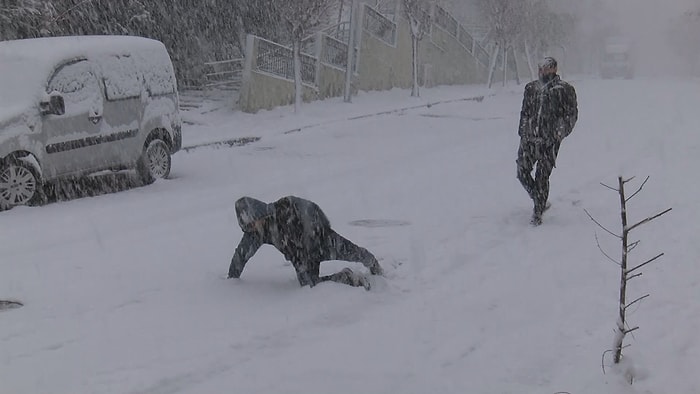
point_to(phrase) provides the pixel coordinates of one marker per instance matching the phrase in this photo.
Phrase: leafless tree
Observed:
(626, 273)
(302, 18)
(417, 12)
(506, 20)
(518, 26)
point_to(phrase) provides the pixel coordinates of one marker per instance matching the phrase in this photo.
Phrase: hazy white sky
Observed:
(649, 21)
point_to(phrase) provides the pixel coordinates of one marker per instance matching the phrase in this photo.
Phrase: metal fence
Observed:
(340, 32)
(279, 60)
(226, 74)
(335, 52)
(446, 21)
(466, 39)
(379, 25)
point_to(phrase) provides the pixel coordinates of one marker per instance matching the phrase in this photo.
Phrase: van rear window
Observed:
(122, 78)
(160, 79)
(128, 75)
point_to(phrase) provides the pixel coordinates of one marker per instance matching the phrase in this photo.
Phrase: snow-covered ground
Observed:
(125, 292)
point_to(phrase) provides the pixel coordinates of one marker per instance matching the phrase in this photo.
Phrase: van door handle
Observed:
(95, 119)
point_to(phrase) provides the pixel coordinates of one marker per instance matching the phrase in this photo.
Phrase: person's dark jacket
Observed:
(549, 112)
(296, 227)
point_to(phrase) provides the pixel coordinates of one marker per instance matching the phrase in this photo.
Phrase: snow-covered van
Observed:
(71, 106)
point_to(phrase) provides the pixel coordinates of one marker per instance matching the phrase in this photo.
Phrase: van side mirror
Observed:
(54, 106)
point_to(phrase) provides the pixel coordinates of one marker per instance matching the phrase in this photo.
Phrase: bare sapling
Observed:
(626, 273)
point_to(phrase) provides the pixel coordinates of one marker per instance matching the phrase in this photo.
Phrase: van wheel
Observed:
(19, 184)
(155, 162)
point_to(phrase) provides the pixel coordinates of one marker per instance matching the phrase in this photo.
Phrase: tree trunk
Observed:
(530, 65)
(621, 331)
(415, 92)
(505, 64)
(298, 86)
(242, 36)
(340, 13)
(349, 67)
(517, 69)
(492, 66)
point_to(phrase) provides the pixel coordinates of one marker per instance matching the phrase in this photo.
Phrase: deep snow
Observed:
(125, 292)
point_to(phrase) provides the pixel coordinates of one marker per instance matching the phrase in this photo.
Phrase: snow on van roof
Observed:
(54, 49)
(26, 64)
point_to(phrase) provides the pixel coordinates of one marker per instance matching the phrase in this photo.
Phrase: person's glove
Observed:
(376, 269)
(562, 130)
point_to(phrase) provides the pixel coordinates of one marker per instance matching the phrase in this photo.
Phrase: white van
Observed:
(71, 106)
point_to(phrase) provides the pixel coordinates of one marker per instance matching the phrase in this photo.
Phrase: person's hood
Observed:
(249, 210)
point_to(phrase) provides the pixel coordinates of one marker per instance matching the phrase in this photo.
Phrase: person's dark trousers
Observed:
(336, 247)
(544, 155)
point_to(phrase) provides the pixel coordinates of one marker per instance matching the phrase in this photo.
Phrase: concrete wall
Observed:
(267, 91)
(261, 90)
(449, 63)
(331, 81)
(442, 60)
(381, 66)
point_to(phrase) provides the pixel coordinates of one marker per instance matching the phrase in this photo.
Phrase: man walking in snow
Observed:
(301, 231)
(549, 114)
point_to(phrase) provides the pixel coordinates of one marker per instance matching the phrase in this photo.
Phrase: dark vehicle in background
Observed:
(617, 59)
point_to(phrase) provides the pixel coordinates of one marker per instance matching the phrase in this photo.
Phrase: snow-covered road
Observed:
(125, 292)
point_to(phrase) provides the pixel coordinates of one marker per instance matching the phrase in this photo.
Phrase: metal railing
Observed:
(339, 31)
(335, 52)
(466, 39)
(224, 73)
(279, 60)
(379, 25)
(446, 21)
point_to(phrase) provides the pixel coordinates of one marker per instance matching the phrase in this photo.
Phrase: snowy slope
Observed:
(125, 292)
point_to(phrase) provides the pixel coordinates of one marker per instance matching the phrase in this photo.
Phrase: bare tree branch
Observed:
(631, 333)
(638, 190)
(634, 276)
(610, 187)
(631, 330)
(602, 359)
(644, 263)
(647, 220)
(635, 301)
(66, 12)
(632, 246)
(601, 226)
(603, 252)
(628, 180)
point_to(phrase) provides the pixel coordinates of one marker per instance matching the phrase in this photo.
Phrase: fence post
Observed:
(319, 56)
(246, 91)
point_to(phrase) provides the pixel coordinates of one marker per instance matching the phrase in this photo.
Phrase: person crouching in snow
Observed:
(301, 231)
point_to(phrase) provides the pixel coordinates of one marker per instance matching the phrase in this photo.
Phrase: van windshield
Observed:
(21, 83)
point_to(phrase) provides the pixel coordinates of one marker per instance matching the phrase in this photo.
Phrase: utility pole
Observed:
(351, 52)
